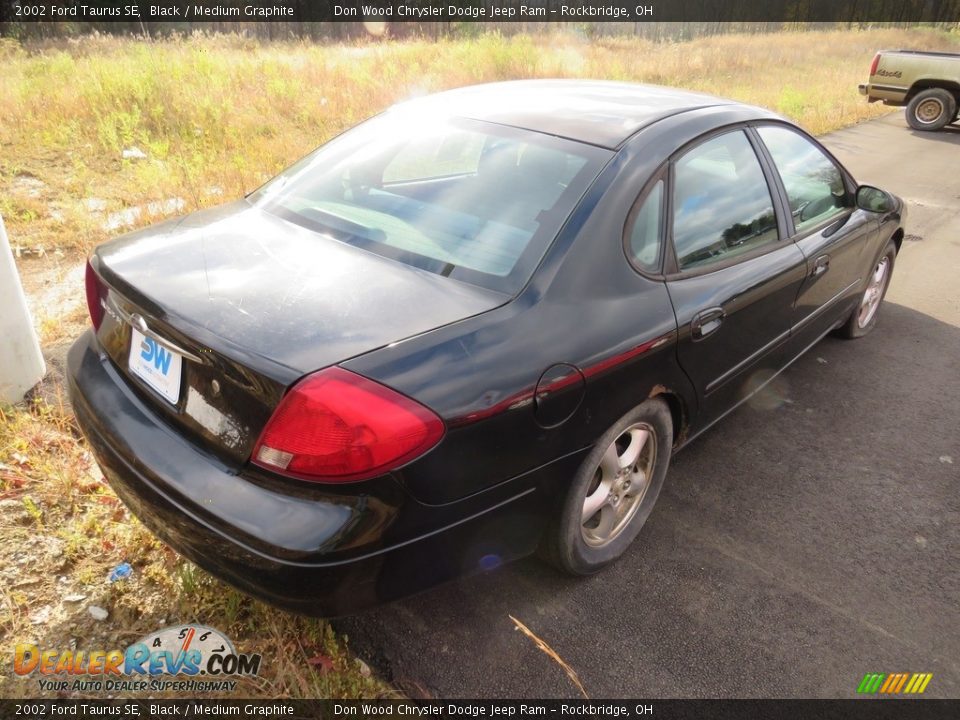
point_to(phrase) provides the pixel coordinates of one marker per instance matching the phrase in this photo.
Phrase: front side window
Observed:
(814, 185)
(722, 205)
(465, 199)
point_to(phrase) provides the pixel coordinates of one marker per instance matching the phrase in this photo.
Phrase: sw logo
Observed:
(895, 683)
(153, 352)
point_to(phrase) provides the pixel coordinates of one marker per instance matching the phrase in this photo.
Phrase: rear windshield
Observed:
(471, 200)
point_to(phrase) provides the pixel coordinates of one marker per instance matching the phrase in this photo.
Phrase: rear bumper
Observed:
(865, 90)
(315, 550)
(887, 94)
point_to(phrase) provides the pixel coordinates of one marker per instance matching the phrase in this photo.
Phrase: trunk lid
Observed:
(249, 303)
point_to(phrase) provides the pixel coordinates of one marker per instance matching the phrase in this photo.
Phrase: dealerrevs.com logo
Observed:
(185, 658)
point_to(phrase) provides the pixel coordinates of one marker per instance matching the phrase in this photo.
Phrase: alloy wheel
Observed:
(619, 484)
(874, 293)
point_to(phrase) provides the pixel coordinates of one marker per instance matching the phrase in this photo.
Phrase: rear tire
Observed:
(931, 109)
(864, 316)
(613, 492)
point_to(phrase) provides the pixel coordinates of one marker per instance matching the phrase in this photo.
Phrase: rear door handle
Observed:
(820, 266)
(706, 322)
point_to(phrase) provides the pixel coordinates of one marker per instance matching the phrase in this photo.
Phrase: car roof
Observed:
(590, 111)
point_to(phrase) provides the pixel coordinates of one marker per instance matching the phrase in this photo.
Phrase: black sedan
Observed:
(476, 325)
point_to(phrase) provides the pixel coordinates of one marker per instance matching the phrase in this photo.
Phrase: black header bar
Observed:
(570, 11)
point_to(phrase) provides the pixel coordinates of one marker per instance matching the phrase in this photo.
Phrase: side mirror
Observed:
(875, 200)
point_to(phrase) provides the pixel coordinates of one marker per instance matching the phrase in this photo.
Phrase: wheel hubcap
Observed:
(874, 293)
(929, 111)
(619, 485)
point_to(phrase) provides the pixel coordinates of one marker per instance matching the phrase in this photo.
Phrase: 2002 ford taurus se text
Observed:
(475, 325)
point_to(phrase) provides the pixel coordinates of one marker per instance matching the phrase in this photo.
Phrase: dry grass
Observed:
(219, 115)
(62, 530)
(216, 116)
(552, 654)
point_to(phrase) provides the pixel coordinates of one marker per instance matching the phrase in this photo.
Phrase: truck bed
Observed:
(923, 52)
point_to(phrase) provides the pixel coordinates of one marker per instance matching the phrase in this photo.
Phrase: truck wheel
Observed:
(931, 109)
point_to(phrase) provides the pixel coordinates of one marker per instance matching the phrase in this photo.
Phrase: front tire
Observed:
(613, 492)
(931, 109)
(864, 316)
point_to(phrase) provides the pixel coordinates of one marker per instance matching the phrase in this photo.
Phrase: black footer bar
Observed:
(865, 709)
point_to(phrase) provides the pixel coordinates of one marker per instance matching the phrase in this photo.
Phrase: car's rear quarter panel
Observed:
(585, 306)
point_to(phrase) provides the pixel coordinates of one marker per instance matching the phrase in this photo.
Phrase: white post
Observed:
(21, 362)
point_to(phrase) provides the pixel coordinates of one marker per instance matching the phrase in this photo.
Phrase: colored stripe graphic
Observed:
(870, 683)
(898, 680)
(894, 683)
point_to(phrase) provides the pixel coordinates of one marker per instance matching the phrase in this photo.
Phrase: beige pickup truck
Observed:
(928, 83)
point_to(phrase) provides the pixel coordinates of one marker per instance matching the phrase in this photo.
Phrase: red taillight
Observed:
(96, 295)
(337, 426)
(874, 64)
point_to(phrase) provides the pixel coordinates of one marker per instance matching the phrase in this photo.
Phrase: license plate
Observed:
(157, 366)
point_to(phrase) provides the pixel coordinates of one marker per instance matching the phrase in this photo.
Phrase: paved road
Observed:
(808, 539)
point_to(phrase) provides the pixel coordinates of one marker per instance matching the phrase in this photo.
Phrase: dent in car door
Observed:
(736, 277)
(832, 234)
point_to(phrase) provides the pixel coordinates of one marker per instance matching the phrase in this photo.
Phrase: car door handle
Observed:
(820, 266)
(706, 322)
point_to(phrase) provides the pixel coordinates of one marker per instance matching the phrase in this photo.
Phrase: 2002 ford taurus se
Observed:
(475, 325)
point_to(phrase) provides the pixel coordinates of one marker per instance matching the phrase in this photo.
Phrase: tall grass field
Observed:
(216, 116)
(100, 134)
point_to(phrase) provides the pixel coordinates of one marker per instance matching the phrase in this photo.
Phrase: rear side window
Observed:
(644, 234)
(722, 205)
(814, 184)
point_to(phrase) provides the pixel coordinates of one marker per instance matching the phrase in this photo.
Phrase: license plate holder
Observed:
(158, 366)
